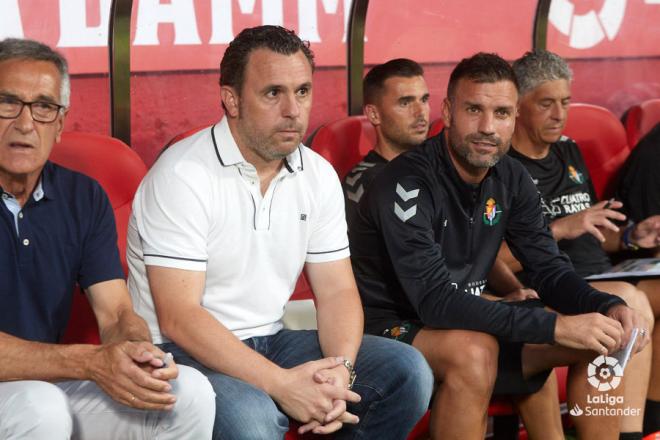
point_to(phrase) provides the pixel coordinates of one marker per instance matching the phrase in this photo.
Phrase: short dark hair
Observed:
(25, 49)
(275, 38)
(375, 79)
(481, 68)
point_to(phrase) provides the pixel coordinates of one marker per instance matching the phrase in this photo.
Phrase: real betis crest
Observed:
(575, 175)
(492, 213)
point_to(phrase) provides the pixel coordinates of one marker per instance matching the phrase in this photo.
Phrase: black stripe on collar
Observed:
(215, 145)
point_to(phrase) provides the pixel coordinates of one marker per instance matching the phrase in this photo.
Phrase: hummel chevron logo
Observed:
(357, 195)
(406, 195)
(351, 180)
(404, 215)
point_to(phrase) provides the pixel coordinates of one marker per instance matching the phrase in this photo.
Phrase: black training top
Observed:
(566, 188)
(424, 241)
(639, 187)
(358, 180)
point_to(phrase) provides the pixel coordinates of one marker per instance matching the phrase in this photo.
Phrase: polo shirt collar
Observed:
(39, 191)
(228, 153)
(46, 186)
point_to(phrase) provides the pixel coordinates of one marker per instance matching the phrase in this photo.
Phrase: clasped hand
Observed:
(132, 373)
(315, 393)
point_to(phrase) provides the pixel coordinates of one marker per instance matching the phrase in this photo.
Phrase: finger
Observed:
(143, 352)
(607, 343)
(329, 428)
(343, 394)
(607, 224)
(611, 337)
(127, 398)
(151, 397)
(308, 427)
(627, 322)
(595, 232)
(338, 409)
(642, 339)
(531, 294)
(347, 417)
(326, 363)
(319, 377)
(607, 204)
(146, 380)
(640, 344)
(168, 373)
(594, 344)
(616, 215)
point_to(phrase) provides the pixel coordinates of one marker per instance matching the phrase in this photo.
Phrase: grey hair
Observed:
(539, 66)
(17, 48)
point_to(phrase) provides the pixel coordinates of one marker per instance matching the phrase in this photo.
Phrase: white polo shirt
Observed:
(200, 208)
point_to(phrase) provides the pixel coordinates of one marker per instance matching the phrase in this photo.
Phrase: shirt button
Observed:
(26, 242)
(20, 215)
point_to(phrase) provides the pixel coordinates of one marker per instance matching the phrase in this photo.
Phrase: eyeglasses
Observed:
(41, 111)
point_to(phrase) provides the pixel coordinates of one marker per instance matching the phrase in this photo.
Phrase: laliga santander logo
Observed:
(604, 373)
(587, 30)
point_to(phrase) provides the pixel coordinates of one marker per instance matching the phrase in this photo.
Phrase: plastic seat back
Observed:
(436, 127)
(344, 142)
(641, 119)
(119, 170)
(602, 141)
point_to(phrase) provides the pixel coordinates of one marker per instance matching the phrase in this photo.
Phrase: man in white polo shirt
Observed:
(223, 225)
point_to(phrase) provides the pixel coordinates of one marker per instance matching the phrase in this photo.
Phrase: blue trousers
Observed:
(393, 379)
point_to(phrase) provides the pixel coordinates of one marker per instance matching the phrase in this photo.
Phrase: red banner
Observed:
(182, 35)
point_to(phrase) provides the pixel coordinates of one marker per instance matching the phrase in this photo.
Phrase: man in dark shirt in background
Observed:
(639, 180)
(426, 236)
(396, 102)
(583, 227)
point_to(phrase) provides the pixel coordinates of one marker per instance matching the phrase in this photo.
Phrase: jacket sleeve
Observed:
(550, 271)
(405, 212)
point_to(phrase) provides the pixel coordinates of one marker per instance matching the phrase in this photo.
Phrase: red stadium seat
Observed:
(641, 119)
(436, 127)
(602, 141)
(119, 170)
(344, 142)
(183, 135)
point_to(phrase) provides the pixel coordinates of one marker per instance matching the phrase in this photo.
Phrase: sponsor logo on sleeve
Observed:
(354, 189)
(405, 214)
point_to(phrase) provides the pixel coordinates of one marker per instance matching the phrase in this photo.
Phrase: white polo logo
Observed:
(604, 373)
(405, 214)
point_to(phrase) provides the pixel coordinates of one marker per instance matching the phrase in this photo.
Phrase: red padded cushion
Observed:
(602, 141)
(119, 170)
(344, 142)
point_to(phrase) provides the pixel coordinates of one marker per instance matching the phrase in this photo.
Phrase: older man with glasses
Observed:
(57, 228)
